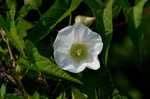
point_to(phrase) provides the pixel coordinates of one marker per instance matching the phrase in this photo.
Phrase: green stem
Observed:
(70, 19)
(21, 87)
(106, 55)
(107, 47)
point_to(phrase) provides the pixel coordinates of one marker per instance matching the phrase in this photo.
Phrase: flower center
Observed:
(78, 51)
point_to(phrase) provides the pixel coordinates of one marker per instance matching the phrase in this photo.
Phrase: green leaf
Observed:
(94, 5)
(40, 63)
(123, 3)
(51, 18)
(12, 96)
(62, 96)
(76, 94)
(107, 17)
(99, 22)
(12, 33)
(36, 96)
(21, 24)
(73, 6)
(134, 17)
(2, 21)
(2, 91)
(108, 27)
(138, 12)
(90, 92)
(22, 27)
(116, 95)
(3, 24)
(23, 12)
(33, 3)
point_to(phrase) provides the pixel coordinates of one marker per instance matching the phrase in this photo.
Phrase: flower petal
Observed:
(62, 59)
(64, 40)
(84, 35)
(75, 68)
(94, 64)
(93, 41)
(79, 32)
(65, 62)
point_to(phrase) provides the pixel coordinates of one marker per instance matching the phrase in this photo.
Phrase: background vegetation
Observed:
(28, 29)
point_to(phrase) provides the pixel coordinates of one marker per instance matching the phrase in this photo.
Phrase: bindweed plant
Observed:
(73, 49)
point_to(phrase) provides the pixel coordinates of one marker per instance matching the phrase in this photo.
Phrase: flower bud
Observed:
(84, 20)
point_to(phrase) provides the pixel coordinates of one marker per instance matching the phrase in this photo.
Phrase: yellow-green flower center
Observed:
(79, 52)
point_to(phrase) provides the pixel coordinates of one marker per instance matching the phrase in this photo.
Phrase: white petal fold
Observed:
(95, 64)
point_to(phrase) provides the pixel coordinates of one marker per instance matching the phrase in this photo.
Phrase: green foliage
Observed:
(51, 18)
(76, 94)
(4, 95)
(108, 27)
(116, 95)
(62, 96)
(11, 30)
(107, 17)
(99, 86)
(33, 3)
(11, 96)
(2, 22)
(2, 91)
(30, 44)
(35, 96)
(138, 11)
(40, 63)
(22, 27)
(23, 12)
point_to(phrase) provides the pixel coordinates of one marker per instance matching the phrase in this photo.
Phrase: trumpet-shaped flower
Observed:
(77, 47)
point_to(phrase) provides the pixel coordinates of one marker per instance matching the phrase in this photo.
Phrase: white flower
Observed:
(77, 47)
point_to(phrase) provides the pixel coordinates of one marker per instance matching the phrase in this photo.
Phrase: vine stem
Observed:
(5, 38)
(21, 87)
(16, 78)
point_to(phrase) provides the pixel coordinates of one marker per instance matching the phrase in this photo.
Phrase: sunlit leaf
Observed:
(62, 96)
(36, 96)
(2, 91)
(76, 94)
(138, 12)
(12, 33)
(107, 17)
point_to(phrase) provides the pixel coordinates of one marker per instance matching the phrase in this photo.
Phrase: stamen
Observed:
(79, 52)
